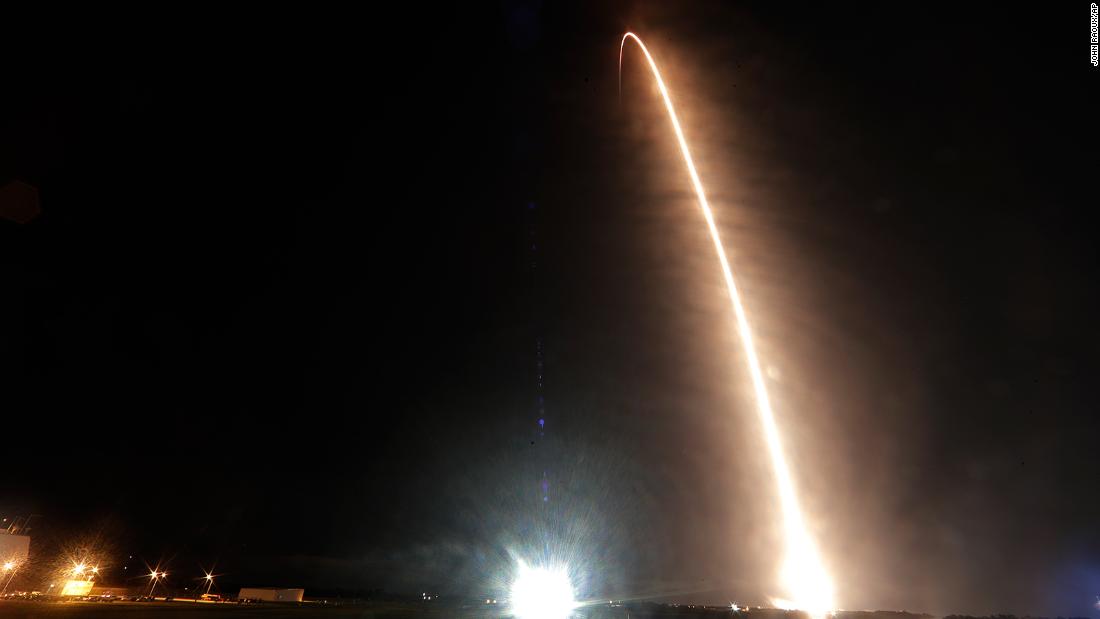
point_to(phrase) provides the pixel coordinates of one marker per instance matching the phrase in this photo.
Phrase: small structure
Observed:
(77, 588)
(271, 594)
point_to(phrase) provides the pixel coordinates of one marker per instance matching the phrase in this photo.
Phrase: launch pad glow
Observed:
(808, 586)
(542, 593)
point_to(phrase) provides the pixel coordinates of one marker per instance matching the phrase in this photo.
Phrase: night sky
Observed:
(284, 303)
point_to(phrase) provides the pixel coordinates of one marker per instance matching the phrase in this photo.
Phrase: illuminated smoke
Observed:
(807, 584)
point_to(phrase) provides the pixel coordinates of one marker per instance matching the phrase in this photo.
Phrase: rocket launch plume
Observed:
(808, 586)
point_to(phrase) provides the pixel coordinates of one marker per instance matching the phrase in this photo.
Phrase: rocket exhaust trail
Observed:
(808, 585)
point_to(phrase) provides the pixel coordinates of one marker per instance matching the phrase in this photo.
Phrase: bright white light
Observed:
(542, 593)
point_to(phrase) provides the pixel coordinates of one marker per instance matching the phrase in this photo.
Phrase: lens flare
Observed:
(803, 575)
(542, 593)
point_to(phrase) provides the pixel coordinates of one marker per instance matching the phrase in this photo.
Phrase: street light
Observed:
(10, 567)
(154, 576)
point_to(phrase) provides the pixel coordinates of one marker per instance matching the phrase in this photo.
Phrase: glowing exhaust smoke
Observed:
(542, 593)
(807, 584)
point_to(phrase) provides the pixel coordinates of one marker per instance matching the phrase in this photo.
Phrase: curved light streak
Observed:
(808, 585)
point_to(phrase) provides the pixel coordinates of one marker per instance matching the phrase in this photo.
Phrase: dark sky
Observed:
(282, 305)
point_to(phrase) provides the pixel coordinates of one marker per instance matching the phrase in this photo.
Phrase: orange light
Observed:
(805, 578)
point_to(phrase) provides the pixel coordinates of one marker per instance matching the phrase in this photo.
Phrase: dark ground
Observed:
(410, 610)
(191, 610)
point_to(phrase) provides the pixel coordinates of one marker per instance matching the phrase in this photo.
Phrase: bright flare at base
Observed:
(542, 593)
(808, 585)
